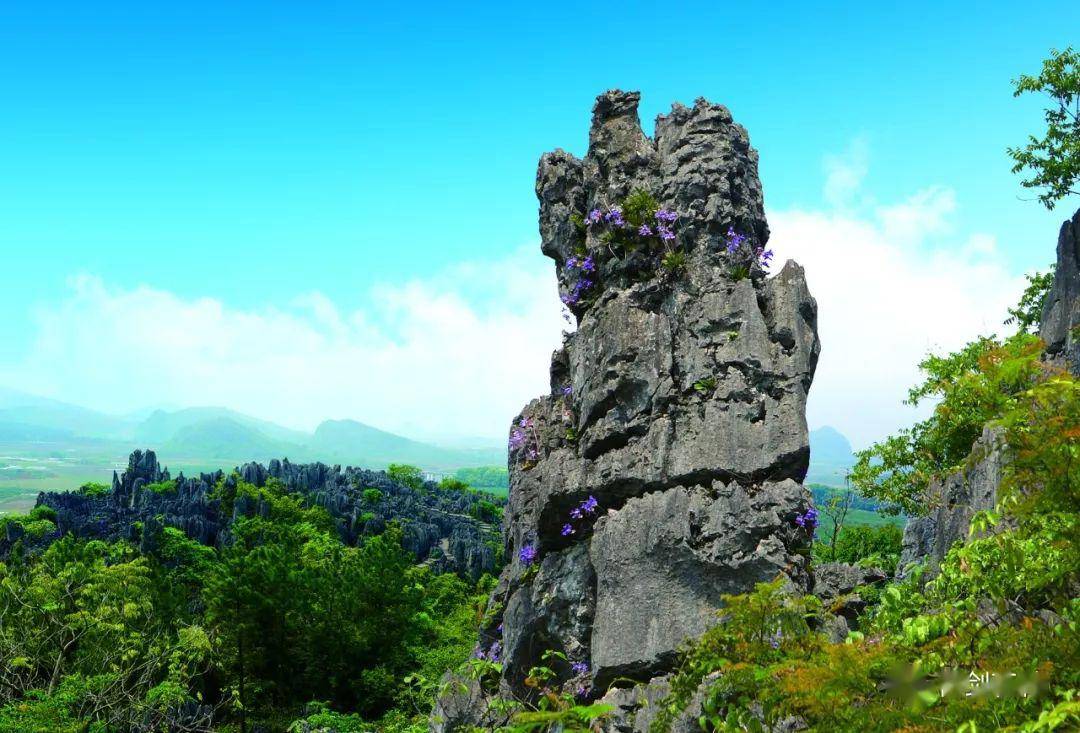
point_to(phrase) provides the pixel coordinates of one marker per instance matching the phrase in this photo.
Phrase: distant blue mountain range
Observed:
(216, 433)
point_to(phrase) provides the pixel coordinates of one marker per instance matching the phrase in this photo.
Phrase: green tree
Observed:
(1053, 161)
(1028, 312)
(972, 386)
(406, 475)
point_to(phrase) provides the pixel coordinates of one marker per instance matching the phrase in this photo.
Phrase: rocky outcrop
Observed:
(1061, 312)
(837, 585)
(440, 525)
(664, 468)
(953, 501)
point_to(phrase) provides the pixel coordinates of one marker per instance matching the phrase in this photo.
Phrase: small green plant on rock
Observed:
(706, 384)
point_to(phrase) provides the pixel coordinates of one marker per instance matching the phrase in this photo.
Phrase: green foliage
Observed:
(1053, 161)
(639, 208)
(755, 630)
(863, 545)
(972, 387)
(321, 719)
(1028, 312)
(35, 524)
(406, 475)
(552, 706)
(495, 479)
(487, 511)
(161, 487)
(372, 496)
(706, 384)
(449, 483)
(95, 636)
(92, 488)
(673, 261)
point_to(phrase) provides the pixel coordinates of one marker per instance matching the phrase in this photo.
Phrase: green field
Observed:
(856, 517)
(16, 500)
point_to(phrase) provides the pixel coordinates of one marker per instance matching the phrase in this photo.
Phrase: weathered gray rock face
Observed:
(835, 584)
(1061, 314)
(954, 501)
(678, 405)
(665, 559)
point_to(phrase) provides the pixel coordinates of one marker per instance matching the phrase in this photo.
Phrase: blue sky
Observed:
(256, 153)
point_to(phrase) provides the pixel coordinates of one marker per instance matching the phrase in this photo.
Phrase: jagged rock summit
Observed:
(664, 467)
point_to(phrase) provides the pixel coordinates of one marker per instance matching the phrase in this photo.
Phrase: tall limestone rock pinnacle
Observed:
(1061, 313)
(664, 467)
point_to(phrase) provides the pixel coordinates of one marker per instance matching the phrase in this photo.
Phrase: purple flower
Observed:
(588, 265)
(666, 215)
(517, 438)
(569, 299)
(645, 231)
(527, 555)
(665, 232)
(525, 422)
(493, 652)
(499, 627)
(576, 513)
(589, 505)
(567, 530)
(774, 639)
(593, 217)
(580, 667)
(567, 390)
(614, 216)
(807, 520)
(735, 241)
(572, 262)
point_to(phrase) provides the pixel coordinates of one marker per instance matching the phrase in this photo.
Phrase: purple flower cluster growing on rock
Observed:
(585, 266)
(807, 520)
(527, 555)
(491, 655)
(614, 219)
(614, 216)
(585, 509)
(734, 241)
(738, 247)
(523, 440)
(580, 668)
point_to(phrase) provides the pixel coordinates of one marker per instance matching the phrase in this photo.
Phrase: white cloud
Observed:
(845, 173)
(461, 352)
(892, 283)
(427, 357)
